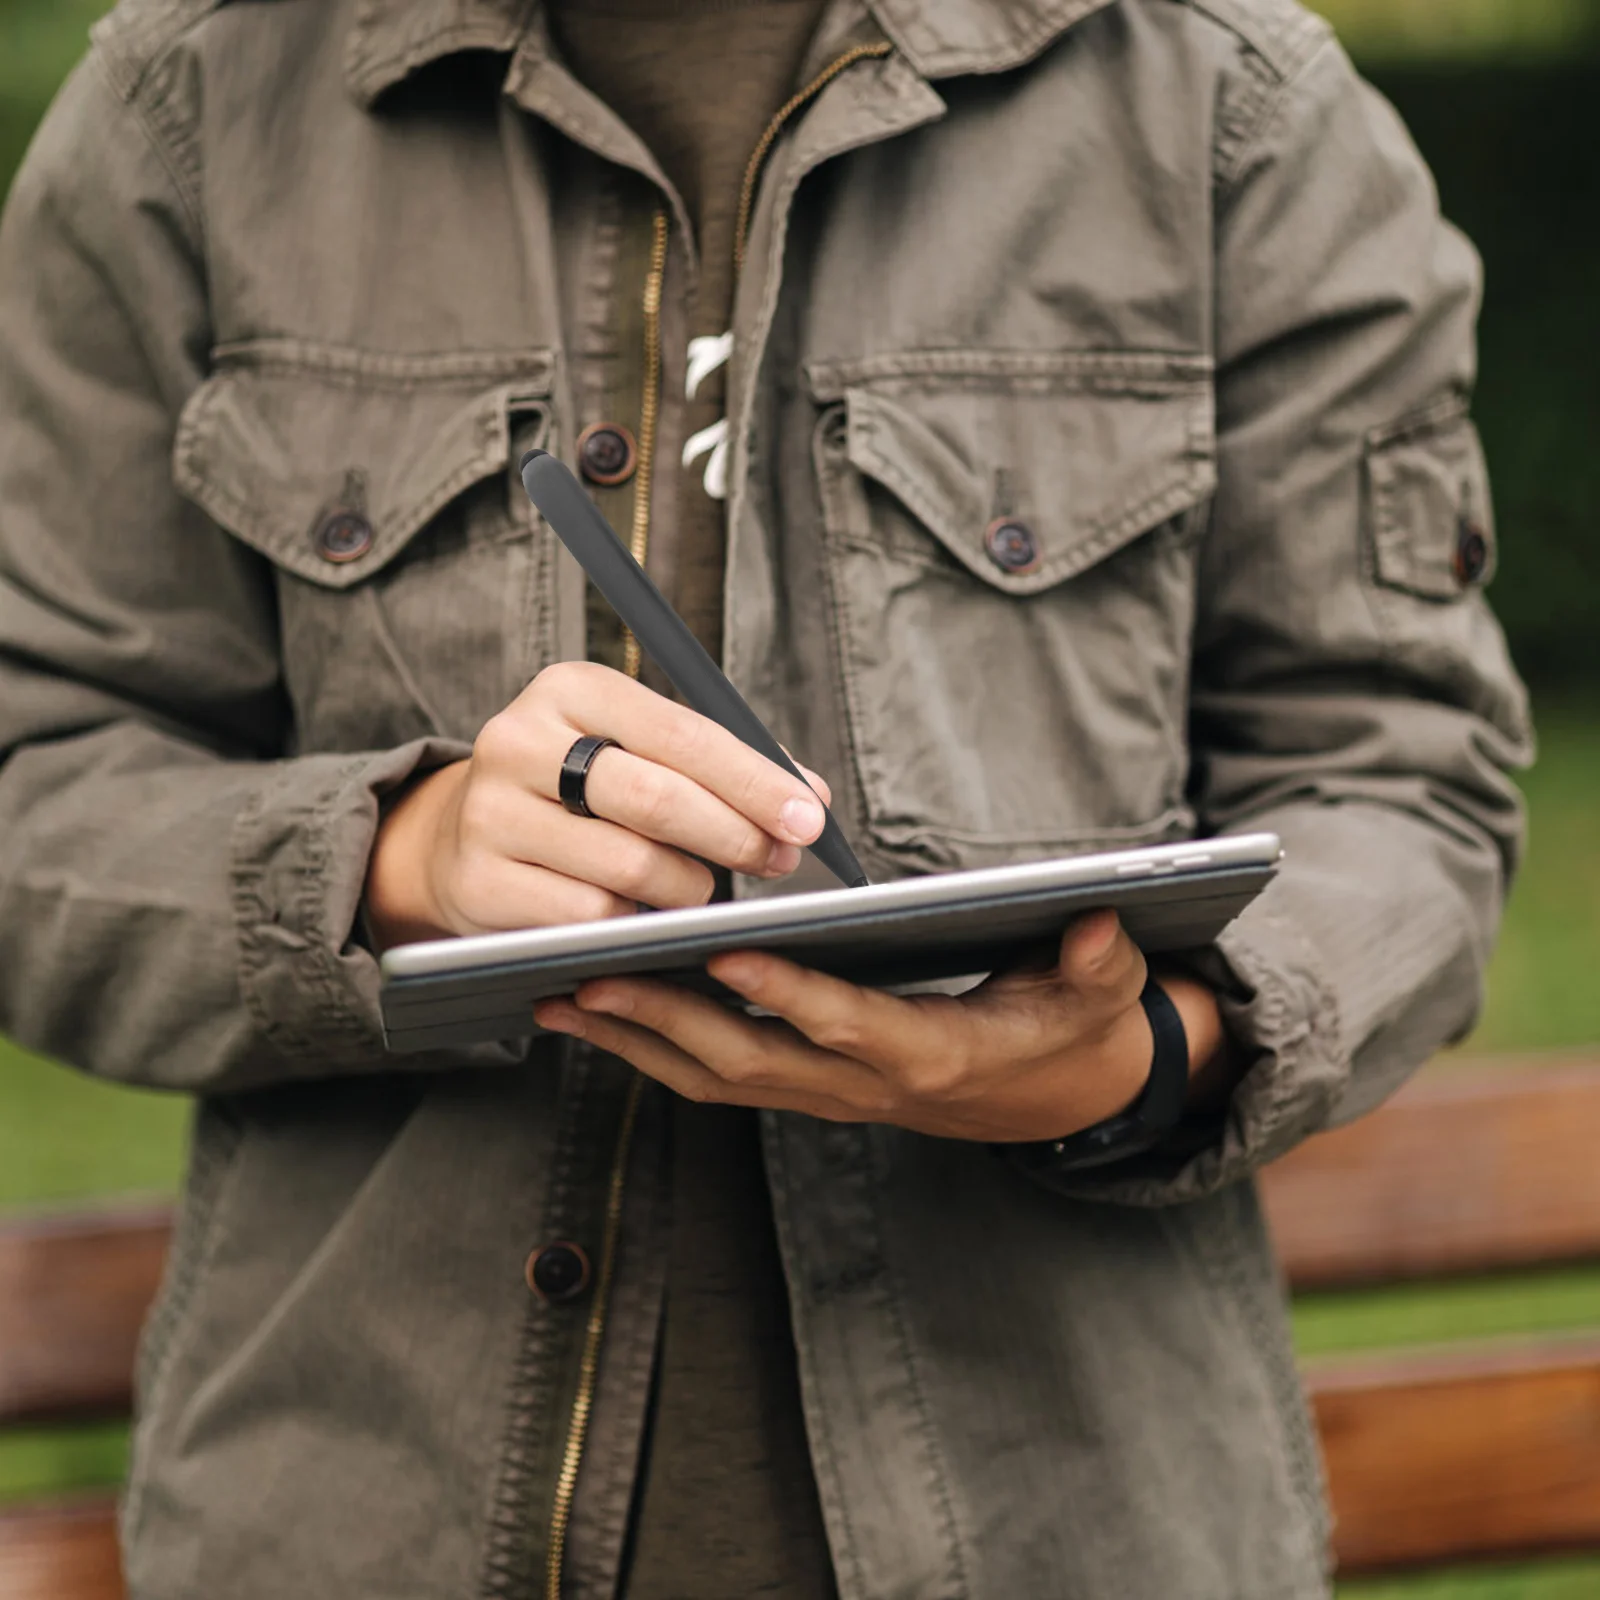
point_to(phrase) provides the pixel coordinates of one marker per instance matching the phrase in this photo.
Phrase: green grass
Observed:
(1503, 1306)
(64, 1137)
(47, 1460)
(1543, 992)
(1554, 1580)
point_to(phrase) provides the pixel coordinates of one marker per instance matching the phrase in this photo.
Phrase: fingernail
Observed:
(801, 820)
(735, 973)
(561, 1019)
(1099, 939)
(619, 1005)
(782, 859)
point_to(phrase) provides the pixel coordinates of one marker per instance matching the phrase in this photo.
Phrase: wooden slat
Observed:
(1467, 1169)
(61, 1553)
(1464, 1455)
(74, 1290)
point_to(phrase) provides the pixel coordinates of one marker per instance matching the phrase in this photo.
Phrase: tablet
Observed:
(894, 935)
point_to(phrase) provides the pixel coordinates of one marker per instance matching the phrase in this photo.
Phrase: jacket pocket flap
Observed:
(1433, 532)
(284, 436)
(1083, 467)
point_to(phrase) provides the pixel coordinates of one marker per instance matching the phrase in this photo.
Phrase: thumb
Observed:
(1095, 951)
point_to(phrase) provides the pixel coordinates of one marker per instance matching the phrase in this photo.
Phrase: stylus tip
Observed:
(532, 455)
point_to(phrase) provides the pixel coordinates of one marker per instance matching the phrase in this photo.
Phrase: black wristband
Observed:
(1156, 1112)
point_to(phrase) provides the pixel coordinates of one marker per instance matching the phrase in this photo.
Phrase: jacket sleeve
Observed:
(1351, 690)
(177, 895)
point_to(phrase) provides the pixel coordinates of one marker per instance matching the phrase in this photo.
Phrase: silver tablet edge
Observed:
(436, 957)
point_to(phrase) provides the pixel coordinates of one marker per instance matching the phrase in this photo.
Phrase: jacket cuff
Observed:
(299, 854)
(1284, 1021)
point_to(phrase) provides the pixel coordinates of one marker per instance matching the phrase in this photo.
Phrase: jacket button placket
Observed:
(1012, 546)
(1472, 553)
(607, 453)
(558, 1272)
(342, 536)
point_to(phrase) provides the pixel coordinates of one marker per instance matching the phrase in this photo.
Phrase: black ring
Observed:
(575, 772)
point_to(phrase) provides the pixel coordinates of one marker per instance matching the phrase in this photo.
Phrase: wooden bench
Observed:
(1432, 1457)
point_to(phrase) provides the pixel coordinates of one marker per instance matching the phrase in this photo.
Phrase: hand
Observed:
(486, 845)
(1032, 1054)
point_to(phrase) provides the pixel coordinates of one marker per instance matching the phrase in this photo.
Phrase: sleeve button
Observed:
(1472, 553)
(1012, 546)
(607, 453)
(343, 536)
(559, 1272)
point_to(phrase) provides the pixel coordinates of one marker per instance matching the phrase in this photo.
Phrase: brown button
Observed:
(607, 453)
(558, 1272)
(343, 536)
(1012, 546)
(1472, 553)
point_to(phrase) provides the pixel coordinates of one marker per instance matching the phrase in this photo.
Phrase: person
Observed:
(1054, 415)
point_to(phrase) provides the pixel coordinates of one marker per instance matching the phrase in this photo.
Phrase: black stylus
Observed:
(662, 633)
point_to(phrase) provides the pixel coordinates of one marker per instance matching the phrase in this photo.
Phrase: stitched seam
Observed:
(1160, 371)
(338, 1033)
(335, 363)
(1016, 51)
(1282, 48)
(506, 1559)
(311, 904)
(367, 596)
(1238, 1273)
(846, 704)
(1136, 519)
(819, 1435)
(192, 1255)
(893, 1292)
(1396, 558)
(834, 512)
(250, 911)
(395, 528)
(182, 151)
(371, 77)
(186, 189)
(742, 406)
(1426, 419)
(149, 40)
(1295, 1444)
(1268, 111)
(1175, 819)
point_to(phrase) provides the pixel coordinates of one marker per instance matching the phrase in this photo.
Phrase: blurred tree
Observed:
(1461, 29)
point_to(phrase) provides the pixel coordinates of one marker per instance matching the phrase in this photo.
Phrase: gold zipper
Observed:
(649, 409)
(594, 1332)
(589, 1366)
(649, 406)
(752, 171)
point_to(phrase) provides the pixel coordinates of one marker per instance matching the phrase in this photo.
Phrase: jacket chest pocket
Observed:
(414, 581)
(1010, 543)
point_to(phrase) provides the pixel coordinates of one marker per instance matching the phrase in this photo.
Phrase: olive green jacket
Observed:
(285, 289)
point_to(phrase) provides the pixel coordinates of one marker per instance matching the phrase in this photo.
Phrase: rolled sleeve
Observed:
(299, 852)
